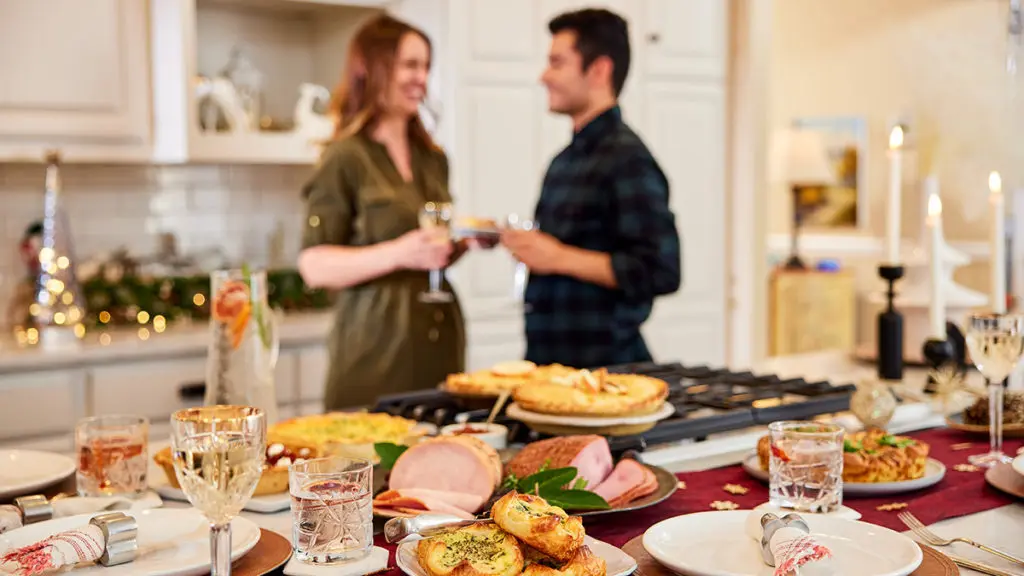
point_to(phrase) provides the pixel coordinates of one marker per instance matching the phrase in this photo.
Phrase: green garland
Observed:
(119, 303)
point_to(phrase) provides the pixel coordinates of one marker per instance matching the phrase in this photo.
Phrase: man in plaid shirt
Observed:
(607, 243)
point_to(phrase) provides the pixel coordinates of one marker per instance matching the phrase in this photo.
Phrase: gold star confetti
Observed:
(735, 489)
(681, 485)
(891, 507)
(961, 446)
(966, 468)
(724, 505)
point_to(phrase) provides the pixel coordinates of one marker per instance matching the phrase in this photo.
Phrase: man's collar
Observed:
(597, 127)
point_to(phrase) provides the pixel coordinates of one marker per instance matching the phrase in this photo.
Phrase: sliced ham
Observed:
(627, 482)
(417, 503)
(467, 502)
(589, 454)
(453, 464)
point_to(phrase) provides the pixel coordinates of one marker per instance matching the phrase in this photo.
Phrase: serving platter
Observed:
(934, 472)
(560, 425)
(667, 486)
(618, 562)
(956, 422)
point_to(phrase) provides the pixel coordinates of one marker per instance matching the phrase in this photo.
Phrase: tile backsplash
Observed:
(242, 213)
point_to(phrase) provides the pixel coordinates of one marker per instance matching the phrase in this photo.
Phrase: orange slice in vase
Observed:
(232, 307)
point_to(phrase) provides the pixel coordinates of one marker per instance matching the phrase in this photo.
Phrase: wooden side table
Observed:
(811, 311)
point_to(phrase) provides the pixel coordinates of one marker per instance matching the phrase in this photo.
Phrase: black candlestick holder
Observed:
(890, 329)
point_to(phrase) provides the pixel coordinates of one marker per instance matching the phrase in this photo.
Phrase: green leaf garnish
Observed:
(577, 500)
(889, 440)
(388, 453)
(551, 486)
(257, 309)
(850, 446)
(556, 478)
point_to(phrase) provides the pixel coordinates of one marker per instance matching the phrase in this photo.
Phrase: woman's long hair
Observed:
(357, 101)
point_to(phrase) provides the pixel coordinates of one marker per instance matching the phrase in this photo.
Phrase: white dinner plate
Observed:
(716, 544)
(25, 471)
(619, 563)
(517, 413)
(1018, 464)
(934, 472)
(172, 542)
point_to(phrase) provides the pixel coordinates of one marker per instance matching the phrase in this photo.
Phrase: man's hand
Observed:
(542, 253)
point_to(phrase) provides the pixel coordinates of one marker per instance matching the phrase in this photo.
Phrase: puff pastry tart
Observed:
(548, 529)
(597, 393)
(476, 550)
(502, 377)
(583, 563)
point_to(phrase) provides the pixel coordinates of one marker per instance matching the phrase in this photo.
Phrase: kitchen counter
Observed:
(124, 344)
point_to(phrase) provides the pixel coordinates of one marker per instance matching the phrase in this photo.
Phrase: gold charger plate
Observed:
(956, 422)
(270, 553)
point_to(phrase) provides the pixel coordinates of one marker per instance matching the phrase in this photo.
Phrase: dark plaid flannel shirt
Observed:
(605, 192)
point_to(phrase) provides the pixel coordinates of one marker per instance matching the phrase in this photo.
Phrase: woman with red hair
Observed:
(362, 236)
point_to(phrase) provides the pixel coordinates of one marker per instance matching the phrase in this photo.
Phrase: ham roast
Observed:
(589, 454)
(448, 464)
(627, 482)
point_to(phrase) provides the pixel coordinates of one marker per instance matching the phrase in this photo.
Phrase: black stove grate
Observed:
(706, 400)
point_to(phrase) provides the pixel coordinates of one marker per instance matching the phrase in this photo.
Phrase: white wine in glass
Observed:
(436, 216)
(996, 344)
(218, 454)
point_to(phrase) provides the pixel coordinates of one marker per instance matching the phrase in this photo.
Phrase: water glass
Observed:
(113, 455)
(332, 509)
(806, 466)
(521, 273)
(218, 454)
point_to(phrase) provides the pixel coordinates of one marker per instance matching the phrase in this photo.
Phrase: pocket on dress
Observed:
(384, 215)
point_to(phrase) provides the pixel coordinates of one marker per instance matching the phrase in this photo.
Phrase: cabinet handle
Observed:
(653, 38)
(192, 391)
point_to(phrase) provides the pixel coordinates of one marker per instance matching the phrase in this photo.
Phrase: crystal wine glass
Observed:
(996, 344)
(436, 216)
(218, 454)
(521, 274)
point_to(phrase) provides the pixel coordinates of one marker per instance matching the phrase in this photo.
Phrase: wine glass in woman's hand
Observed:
(420, 250)
(435, 218)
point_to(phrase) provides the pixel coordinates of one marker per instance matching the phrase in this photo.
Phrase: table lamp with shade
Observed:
(800, 160)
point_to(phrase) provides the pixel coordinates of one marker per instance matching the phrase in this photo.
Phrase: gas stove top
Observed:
(706, 400)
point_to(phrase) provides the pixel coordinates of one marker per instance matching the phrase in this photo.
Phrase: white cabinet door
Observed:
(688, 139)
(686, 38)
(74, 75)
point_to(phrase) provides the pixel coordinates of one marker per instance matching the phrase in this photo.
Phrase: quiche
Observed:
(873, 456)
(350, 434)
(597, 393)
(274, 478)
(502, 377)
(476, 550)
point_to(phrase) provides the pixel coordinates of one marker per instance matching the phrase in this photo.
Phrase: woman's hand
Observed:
(422, 249)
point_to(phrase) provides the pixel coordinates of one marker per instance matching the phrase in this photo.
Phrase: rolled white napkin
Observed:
(10, 515)
(85, 544)
(791, 548)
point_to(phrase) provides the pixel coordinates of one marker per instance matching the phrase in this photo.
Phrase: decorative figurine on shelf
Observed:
(312, 125)
(247, 82)
(873, 404)
(219, 100)
(59, 308)
(244, 342)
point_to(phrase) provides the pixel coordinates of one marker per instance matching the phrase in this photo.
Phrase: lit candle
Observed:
(892, 222)
(937, 306)
(998, 266)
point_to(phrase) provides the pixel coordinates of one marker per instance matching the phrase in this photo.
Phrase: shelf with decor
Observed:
(247, 82)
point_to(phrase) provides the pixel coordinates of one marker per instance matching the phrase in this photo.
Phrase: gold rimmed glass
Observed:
(218, 456)
(996, 344)
(437, 217)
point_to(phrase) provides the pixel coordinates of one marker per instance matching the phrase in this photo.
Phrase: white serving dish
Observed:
(494, 435)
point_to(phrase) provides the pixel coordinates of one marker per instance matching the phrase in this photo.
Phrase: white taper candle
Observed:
(892, 213)
(998, 263)
(937, 303)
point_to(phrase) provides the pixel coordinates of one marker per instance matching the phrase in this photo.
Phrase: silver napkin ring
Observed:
(121, 537)
(34, 509)
(770, 523)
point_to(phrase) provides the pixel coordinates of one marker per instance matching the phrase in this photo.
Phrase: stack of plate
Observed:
(610, 426)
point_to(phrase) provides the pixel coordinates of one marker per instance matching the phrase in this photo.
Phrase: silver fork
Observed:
(935, 540)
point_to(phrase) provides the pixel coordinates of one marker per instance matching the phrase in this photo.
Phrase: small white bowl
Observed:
(495, 435)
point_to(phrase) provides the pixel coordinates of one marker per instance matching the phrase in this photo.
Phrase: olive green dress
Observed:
(384, 340)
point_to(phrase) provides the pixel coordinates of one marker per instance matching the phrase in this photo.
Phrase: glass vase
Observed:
(244, 342)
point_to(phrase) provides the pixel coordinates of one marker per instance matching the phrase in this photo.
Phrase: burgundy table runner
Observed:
(958, 494)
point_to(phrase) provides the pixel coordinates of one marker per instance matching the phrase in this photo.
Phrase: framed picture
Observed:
(843, 205)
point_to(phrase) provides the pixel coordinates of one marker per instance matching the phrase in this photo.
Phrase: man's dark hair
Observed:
(599, 33)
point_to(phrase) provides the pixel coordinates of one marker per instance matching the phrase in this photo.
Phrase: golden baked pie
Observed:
(872, 456)
(597, 393)
(547, 528)
(476, 550)
(502, 377)
(351, 434)
(274, 478)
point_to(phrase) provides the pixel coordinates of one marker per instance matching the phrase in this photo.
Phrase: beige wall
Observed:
(939, 63)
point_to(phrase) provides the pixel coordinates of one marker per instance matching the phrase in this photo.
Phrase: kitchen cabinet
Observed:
(74, 75)
(41, 404)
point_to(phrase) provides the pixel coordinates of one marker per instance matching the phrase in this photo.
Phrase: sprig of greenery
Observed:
(257, 309)
(551, 486)
(388, 453)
